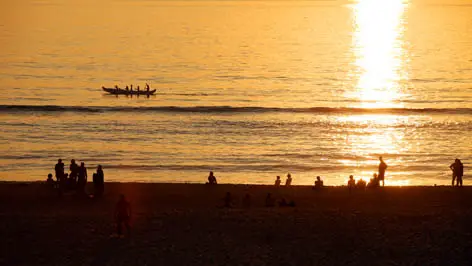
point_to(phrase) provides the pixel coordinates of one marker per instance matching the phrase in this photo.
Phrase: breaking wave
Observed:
(232, 109)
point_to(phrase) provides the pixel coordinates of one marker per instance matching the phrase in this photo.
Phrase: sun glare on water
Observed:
(378, 49)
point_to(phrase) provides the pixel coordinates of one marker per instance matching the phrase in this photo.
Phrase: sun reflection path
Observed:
(378, 49)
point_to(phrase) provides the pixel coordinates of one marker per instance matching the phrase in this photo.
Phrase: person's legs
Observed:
(118, 227)
(128, 228)
(453, 179)
(459, 181)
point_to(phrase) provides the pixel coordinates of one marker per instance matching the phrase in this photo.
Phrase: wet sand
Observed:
(183, 224)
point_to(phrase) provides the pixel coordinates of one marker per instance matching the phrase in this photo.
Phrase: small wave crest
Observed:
(233, 109)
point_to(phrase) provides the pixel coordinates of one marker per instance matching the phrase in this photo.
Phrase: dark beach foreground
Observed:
(183, 224)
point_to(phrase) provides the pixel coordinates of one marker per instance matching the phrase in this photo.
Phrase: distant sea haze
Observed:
(247, 90)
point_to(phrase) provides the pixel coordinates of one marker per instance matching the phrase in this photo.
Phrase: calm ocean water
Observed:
(249, 90)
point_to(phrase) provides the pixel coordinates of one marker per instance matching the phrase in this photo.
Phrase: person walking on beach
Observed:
(82, 178)
(59, 169)
(123, 216)
(288, 182)
(382, 168)
(278, 181)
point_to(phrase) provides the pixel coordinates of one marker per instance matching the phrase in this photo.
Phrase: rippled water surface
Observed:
(249, 90)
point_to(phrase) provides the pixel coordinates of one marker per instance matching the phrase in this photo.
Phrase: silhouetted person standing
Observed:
(382, 168)
(59, 169)
(123, 215)
(99, 181)
(228, 200)
(82, 178)
(460, 173)
(269, 201)
(74, 171)
(247, 201)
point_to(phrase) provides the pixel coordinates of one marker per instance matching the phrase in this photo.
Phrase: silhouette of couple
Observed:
(457, 172)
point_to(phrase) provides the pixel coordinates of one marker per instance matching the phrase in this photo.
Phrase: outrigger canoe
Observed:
(128, 92)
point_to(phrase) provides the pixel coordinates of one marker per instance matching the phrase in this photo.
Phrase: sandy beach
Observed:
(183, 224)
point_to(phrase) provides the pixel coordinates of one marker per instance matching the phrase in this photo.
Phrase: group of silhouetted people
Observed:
(288, 181)
(374, 182)
(76, 179)
(130, 88)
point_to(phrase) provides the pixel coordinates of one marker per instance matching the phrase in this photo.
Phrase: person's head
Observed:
(49, 176)
(99, 167)
(456, 160)
(72, 161)
(82, 164)
(381, 159)
(59, 161)
(289, 175)
(278, 177)
(375, 175)
(211, 173)
(351, 177)
(318, 178)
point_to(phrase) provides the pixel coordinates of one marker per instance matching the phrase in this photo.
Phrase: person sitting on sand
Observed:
(278, 181)
(382, 168)
(247, 201)
(283, 203)
(288, 182)
(50, 181)
(123, 215)
(351, 184)
(212, 179)
(361, 184)
(59, 169)
(269, 201)
(318, 183)
(374, 182)
(82, 178)
(147, 87)
(228, 200)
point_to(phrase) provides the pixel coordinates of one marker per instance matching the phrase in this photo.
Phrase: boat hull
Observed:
(128, 92)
